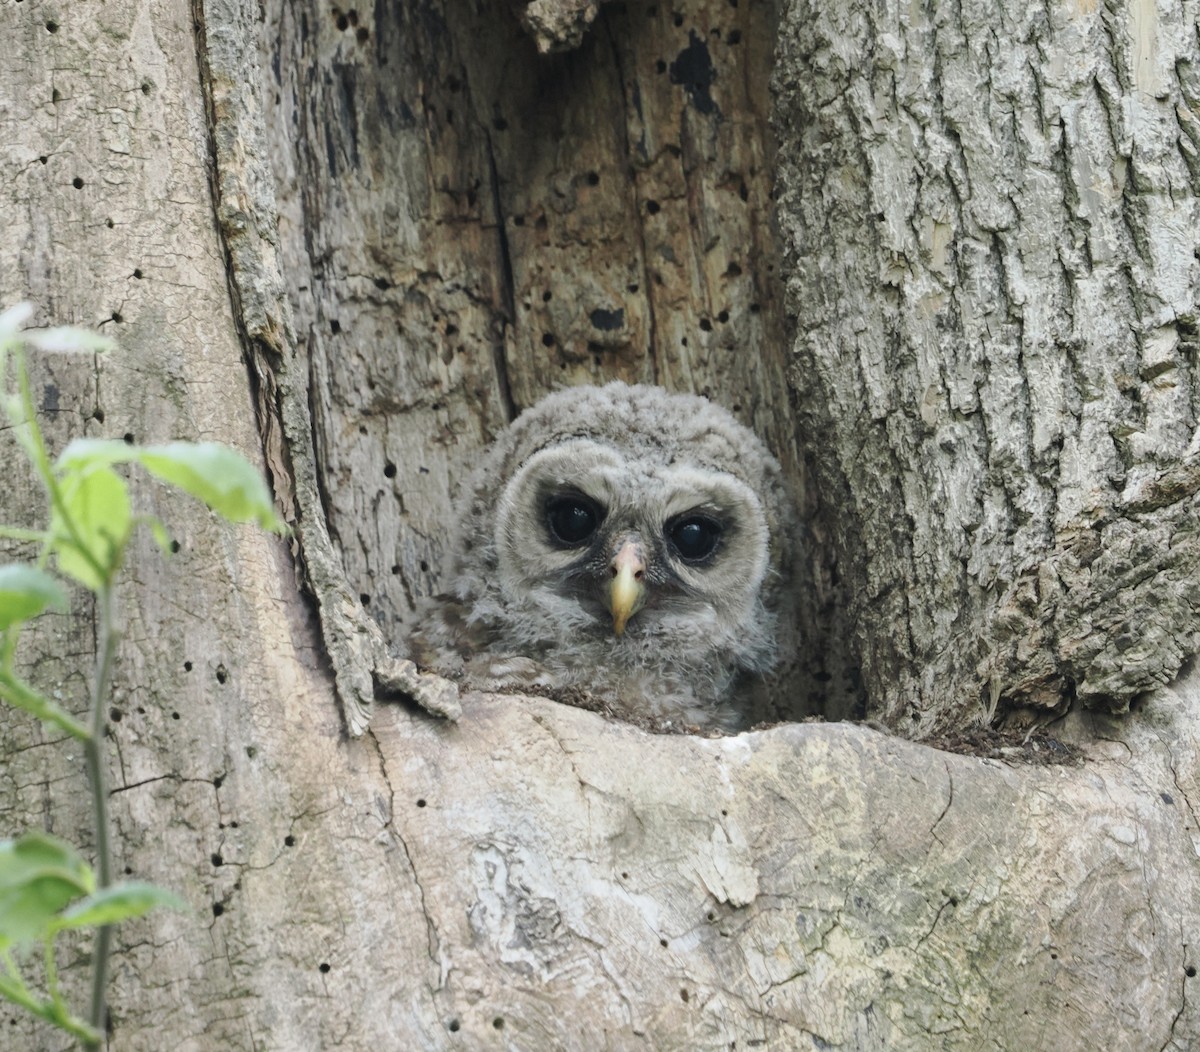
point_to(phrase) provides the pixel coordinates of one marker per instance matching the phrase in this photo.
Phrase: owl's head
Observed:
(632, 516)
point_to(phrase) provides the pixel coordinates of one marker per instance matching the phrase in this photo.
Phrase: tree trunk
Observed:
(425, 224)
(991, 217)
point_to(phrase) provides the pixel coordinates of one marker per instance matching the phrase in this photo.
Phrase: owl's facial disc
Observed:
(627, 590)
(587, 539)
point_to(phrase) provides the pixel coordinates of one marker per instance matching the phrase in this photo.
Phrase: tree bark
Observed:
(990, 217)
(534, 876)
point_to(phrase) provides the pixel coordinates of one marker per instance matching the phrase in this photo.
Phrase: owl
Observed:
(628, 550)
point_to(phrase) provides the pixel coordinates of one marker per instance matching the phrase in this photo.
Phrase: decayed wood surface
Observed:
(813, 886)
(508, 881)
(990, 215)
(468, 225)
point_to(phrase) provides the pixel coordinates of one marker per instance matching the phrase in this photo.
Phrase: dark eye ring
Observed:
(694, 537)
(572, 519)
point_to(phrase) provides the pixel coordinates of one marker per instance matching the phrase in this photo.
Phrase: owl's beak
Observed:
(627, 589)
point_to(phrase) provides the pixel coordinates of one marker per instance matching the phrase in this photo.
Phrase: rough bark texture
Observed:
(990, 213)
(532, 876)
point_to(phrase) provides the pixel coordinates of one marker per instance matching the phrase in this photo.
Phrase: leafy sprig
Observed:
(46, 887)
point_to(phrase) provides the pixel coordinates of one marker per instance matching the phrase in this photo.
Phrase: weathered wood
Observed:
(812, 886)
(559, 25)
(468, 225)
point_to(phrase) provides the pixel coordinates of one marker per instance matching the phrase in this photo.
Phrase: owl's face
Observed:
(629, 542)
(617, 544)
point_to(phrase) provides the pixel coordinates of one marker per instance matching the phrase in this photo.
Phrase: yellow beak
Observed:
(627, 590)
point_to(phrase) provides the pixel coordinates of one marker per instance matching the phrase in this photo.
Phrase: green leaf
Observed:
(25, 591)
(39, 875)
(119, 902)
(85, 453)
(90, 531)
(13, 318)
(222, 478)
(69, 338)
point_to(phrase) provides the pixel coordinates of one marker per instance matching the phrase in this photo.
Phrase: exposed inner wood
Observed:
(469, 224)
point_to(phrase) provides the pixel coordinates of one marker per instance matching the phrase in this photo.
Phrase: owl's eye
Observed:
(572, 519)
(694, 537)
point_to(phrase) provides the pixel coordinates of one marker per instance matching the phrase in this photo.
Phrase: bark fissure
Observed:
(506, 266)
(629, 150)
(949, 803)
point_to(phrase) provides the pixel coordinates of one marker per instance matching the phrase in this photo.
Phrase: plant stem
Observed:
(36, 449)
(14, 989)
(94, 756)
(50, 965)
